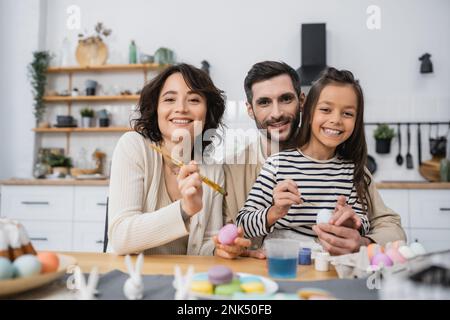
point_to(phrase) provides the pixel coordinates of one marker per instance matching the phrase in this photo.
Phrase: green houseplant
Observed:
(383, 135)
(59, 163)
(87, 115)
(37, 73)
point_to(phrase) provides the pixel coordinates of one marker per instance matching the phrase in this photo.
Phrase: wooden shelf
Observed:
(96, 129)
(108, 67)
(132, 97)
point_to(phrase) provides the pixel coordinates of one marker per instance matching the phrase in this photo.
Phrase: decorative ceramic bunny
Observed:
(133, 287)
(182, 283)
(86, 292)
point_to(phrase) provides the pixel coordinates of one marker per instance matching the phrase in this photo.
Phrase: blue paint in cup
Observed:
(282, 257)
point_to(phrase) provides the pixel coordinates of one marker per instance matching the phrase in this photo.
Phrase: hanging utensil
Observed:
(419, 144)
(371, 164)
(399, 158)
(409, 159)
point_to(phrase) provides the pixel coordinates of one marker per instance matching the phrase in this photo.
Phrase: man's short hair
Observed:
(266, 70)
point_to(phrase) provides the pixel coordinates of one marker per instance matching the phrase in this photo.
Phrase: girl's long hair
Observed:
(355, 147)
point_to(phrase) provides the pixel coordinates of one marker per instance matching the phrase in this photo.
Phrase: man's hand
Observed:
(339, 240)
(285, 194)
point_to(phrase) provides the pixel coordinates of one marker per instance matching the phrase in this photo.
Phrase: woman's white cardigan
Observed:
(135, 222)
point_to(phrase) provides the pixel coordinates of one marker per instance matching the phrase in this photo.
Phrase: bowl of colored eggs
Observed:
(30, 271)
(221, 283)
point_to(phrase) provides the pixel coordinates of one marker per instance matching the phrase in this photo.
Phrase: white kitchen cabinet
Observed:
(49, 235)
(430, 209)
(58, 218)
(88, 237)
(90, 204)
(397, 200)
(50, 203)
(432, 239)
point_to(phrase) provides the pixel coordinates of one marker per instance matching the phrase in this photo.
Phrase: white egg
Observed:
(324, 216)
(417, 248)
(406, 252)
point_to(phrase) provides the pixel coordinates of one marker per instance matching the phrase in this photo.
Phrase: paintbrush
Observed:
(178, 163)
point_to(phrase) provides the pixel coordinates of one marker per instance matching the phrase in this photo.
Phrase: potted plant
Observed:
(87, 115)
(37, 73)
(383, 136)
(91, 49)
(60, 164)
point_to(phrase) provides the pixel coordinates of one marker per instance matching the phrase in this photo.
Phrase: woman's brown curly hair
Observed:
(198, 81)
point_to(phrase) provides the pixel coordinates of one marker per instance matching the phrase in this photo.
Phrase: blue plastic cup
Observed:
(282, 257)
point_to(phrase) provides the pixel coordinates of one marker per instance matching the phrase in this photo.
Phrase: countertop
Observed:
(423, 185)
(53, 182)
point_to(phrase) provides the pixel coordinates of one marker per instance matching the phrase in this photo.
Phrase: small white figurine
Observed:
(182, 283)
(133, 287)
(86, 292)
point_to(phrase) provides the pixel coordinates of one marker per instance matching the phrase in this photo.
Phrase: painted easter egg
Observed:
(381, 259)
(324, 216)
(228, 233)
(49, 261)
(27, 265)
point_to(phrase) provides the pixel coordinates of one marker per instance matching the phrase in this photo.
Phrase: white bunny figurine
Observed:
(133, 287)
(86, 292)
(182, 283)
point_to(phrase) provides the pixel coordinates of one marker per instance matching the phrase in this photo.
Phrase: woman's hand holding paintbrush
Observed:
(190, 186)
(180, 164)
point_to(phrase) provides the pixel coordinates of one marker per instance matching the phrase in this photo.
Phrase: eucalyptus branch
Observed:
(37, 73)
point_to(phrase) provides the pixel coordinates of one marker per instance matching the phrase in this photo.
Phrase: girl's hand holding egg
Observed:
(344, 215)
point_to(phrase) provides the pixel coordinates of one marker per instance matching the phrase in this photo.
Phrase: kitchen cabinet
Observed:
(49, 203)
(59, 218)
(425, 215)
(88, 237)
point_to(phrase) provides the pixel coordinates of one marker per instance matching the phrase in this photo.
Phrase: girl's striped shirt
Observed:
(320, 182)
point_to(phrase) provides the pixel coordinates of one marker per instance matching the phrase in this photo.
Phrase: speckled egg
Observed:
(49, 261)
(27, 265)
(381, 259)
(6, 269)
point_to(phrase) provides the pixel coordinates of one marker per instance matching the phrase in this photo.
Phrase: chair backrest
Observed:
(105, 236)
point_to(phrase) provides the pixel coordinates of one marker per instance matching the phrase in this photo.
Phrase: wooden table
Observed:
(164, 264)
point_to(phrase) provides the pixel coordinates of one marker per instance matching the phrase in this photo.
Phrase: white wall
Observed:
(20, 36)
(232, 35)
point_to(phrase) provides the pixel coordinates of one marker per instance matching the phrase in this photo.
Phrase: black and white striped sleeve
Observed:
(253, 216)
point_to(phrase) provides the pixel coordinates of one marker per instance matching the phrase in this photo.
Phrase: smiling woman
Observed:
(155, 206)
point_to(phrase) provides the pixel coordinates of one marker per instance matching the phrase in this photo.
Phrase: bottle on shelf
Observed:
(132, 53)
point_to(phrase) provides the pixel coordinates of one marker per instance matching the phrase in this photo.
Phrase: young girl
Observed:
(325, 171)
